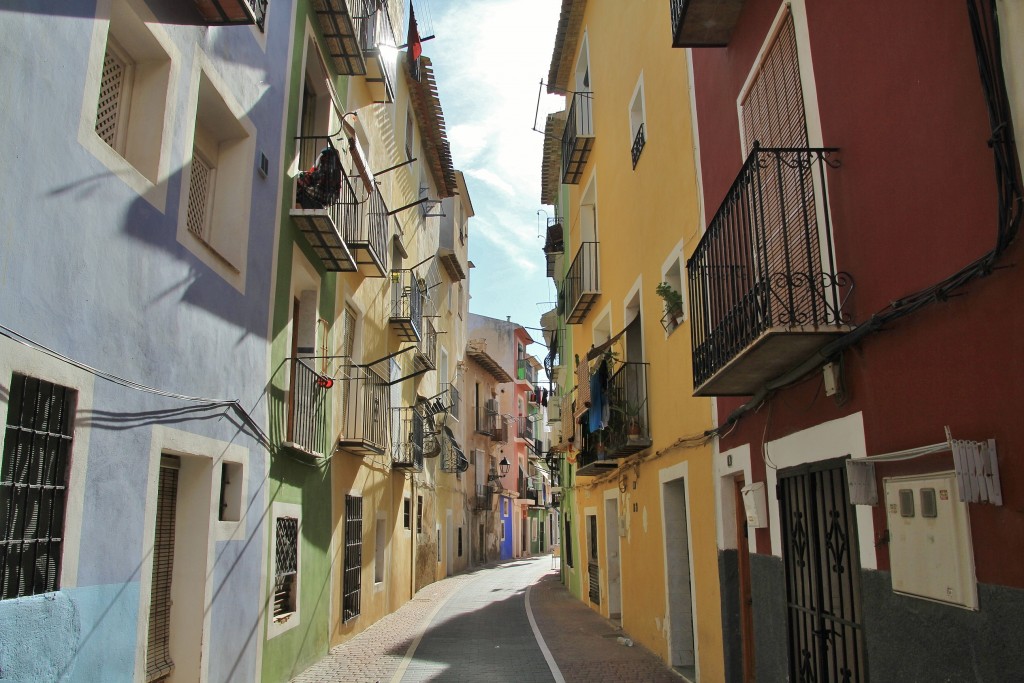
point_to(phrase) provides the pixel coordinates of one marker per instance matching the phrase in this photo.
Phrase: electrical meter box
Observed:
(754, 505)
(930, 539)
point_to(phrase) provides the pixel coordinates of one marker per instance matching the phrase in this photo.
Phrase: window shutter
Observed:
(158, 653)
(112, 109)
(200, 197)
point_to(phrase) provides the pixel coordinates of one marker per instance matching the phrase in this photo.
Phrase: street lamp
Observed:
(504, 466)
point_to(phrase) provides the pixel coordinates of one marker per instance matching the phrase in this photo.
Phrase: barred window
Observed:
(286, 566)
(33, 485)
(352, 577)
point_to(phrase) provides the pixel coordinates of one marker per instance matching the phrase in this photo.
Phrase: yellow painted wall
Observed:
(642, 215)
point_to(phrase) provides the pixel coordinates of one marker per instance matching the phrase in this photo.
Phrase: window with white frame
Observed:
(133, 91)
(672, 290)
(638, 132)
(286, 567)
(33, 485)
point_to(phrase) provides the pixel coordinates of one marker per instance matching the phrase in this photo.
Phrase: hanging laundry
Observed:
(321, 184)
(544, 398)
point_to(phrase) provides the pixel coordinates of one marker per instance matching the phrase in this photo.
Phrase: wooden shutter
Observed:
(158, 653)
(200, 197)
(115, 96)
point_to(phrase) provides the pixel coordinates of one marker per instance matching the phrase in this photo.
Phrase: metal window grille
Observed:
(286, 565)
(353, 557)
(112, 107)
(407, 513)
(158, 651)
(419, 513)
(200, 197)
(33, 485)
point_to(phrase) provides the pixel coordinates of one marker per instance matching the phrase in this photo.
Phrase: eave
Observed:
(430, 121)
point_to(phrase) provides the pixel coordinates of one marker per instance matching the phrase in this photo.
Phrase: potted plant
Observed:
(673, 305)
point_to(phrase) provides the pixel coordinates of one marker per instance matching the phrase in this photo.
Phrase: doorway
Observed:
(680, 587)
(611, 526)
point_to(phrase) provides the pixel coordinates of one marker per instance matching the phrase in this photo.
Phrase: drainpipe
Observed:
(414, 503)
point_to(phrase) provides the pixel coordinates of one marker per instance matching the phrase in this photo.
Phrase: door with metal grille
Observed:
(593, 569)
(822, 573)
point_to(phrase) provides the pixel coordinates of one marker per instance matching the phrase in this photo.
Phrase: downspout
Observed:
(414, 503)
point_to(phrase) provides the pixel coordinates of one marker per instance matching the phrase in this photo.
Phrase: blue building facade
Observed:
(137, 230)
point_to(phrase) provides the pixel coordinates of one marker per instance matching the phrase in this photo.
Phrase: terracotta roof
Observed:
(566, 40)
(430, 122)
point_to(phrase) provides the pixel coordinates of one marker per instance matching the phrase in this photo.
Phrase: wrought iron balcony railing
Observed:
(453, 459)
(582, 283)
(226, 12)
(577, 137)
(407, 439)
(377, 40)
(525, 429)
(408, 294)
(703, 23)
(307, 401)
(639, 140)
(765, 293)
(628, 429)
(487, 418)
(426, 349)
(365, 401)
(554, 244)
(525, 371)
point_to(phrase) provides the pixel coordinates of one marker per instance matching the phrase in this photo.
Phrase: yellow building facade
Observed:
(643, 509)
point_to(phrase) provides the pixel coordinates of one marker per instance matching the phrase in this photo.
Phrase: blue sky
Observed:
(489, 57)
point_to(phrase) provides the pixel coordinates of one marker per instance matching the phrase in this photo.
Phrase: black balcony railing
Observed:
(307, 425)
(628, 428)
(764, 289)
(427, 346)
(408, 294)
(365, 401)
(407, 439)
(377, 40)
(639, 140)
(582, 283)
(368, 237)
(525, 429)
(525, 371)
(453, 459)
(577, 137)
(327, 205)
(554, 243)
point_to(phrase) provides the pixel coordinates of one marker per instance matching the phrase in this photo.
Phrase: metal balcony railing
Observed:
(525, 429)
(365, 401)
(407, 439)
(368, 237)
(582, 283)
(577, 137)
(554, 244)
(628, 427)
(328, 209)
(427, 346)
(487, 418)
(453, 459)
(639, 140)
(703, 23)
(374, 31)
(307, 424)
(408, 294)
(525, 371)
(764, 289)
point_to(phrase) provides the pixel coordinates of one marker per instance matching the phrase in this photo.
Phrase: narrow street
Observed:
(508, 622)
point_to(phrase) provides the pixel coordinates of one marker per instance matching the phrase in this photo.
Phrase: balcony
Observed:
(525, 371)
(307, 399)
(554, 244)
(578, 137)
(628, 428)
(365, 399)
(425, 357)
(408, 293)
(765, 292)
(581, 286)
(228, 12)
(367, 238)
(487, 418)
(525, 429)
(703, 23)
(325, 213)
(453, 460)
(407, 439)
(447, 401)
(360, 41)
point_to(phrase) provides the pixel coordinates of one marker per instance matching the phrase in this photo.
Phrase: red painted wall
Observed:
(898, 92)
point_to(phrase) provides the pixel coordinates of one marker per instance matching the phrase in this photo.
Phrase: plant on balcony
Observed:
(673, 305)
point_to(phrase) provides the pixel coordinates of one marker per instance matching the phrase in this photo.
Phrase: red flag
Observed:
(414, 42)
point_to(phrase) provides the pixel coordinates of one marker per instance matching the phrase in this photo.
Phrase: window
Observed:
(158, 644)
(215, 209)
(672, 290)
(286, 566)
(460, 541)
(638, 121)
(380, 546)
(419, 514)
(567, 542)
(132, 97)
(406, 513)
(230, 509)
(33, 485)
(352, 577)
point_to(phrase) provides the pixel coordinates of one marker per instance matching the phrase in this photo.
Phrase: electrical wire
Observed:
(233, 404)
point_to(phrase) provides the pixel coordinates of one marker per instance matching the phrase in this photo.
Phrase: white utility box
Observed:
(754, 505)
(930, 551)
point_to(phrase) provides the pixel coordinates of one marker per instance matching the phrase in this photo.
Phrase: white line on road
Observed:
(555, 671)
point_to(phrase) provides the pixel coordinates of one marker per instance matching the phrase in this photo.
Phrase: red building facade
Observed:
(853, 295)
